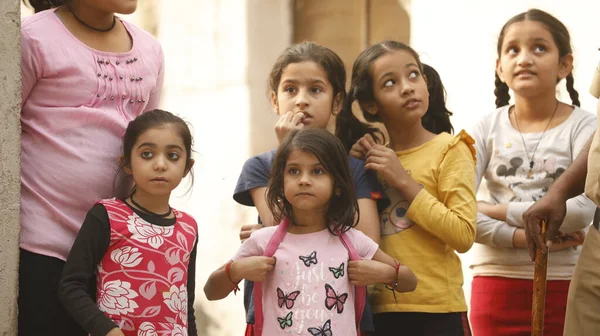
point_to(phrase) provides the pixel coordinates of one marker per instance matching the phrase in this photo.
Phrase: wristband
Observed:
(236, 288)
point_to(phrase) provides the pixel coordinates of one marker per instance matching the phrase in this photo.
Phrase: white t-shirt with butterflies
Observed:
(308, 292)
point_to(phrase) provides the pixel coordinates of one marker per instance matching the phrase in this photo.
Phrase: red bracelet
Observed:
(236, 288)
(395, 283)
(393, 287)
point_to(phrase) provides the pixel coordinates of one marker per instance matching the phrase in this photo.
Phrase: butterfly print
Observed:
(310, 259)
(288, 299)
(334, 300)
(285, 321)
(324, 331)
(337, 272)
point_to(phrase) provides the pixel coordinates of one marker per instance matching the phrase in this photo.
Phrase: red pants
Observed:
(502, 306)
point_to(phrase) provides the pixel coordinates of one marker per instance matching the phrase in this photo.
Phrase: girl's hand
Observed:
(561, 242)
(115, 332)
(252, 268)
(384, 161)
(496, 211)
(247, 230)
(360, 149)
(569, 240)
(369, 272)
(288, 122)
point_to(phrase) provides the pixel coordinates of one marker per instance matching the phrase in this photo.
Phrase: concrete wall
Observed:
(10, 150)
(218, 54)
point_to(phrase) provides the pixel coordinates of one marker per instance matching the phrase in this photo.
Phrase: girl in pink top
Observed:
(85, 75)
(308, 283)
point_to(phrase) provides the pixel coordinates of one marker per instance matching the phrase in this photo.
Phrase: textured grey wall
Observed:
(10, 150)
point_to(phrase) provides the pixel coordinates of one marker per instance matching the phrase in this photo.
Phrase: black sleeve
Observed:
(191, 285)
(76, 288)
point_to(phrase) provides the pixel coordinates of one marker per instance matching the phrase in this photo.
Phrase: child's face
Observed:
(304, 88)
(158, 160)
(399, 89)
(529, 60)
(306, 183)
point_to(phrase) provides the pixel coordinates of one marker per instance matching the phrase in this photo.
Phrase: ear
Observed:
(274, 103)
(565, 66)
(425, 79)
(337, 104)
(499, 70)
(370, 108)
(189, 167)
(337, 192)
(126, 168)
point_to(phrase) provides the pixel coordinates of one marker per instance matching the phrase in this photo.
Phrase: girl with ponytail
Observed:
(428, 176)
(521, 150)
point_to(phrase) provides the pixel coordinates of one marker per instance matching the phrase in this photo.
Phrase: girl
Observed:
(307, 87)
(429, 178)
(85, 75)
(141, 252)
(521, 150)
(309, 289)
(435, 120)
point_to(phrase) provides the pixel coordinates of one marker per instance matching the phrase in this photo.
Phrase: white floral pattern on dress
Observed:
(147, 329)
(127, 256)
(177, 301)
(145, 232)
(116, 297)
(179, 330)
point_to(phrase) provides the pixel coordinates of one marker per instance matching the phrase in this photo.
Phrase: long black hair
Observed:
(350, 129)
(41, 5)
(343, 212)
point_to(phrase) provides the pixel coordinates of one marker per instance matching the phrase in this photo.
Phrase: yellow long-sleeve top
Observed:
(425, 234)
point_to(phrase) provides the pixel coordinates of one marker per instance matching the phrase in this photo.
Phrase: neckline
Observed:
(96, 51)
(304, 234)
(432, 140)
(153, 220)
(506, 119)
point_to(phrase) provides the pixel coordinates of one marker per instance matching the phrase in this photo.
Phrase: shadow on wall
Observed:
(204, 322)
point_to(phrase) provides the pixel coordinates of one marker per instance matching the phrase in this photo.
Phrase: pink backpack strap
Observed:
(360, 292)
(270, 250)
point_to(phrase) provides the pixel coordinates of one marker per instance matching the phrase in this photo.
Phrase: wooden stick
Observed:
(539, 289)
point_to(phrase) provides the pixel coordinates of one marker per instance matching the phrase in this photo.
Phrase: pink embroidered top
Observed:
(76, 104)
(144, 270)
(308, 291)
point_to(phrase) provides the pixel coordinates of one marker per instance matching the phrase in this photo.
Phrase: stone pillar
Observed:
(10, 150)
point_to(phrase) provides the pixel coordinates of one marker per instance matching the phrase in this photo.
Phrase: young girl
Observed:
(308, 282)
(357, 136)
(307, 86)
(140, 251)
(85, 75)
(521, 150)
(429, 178)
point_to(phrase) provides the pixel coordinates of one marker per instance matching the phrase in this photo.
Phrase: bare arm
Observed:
(369, 219)
(406, 279)
(266, 217)
(381, 269)
(260, 202)
(219, 285)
